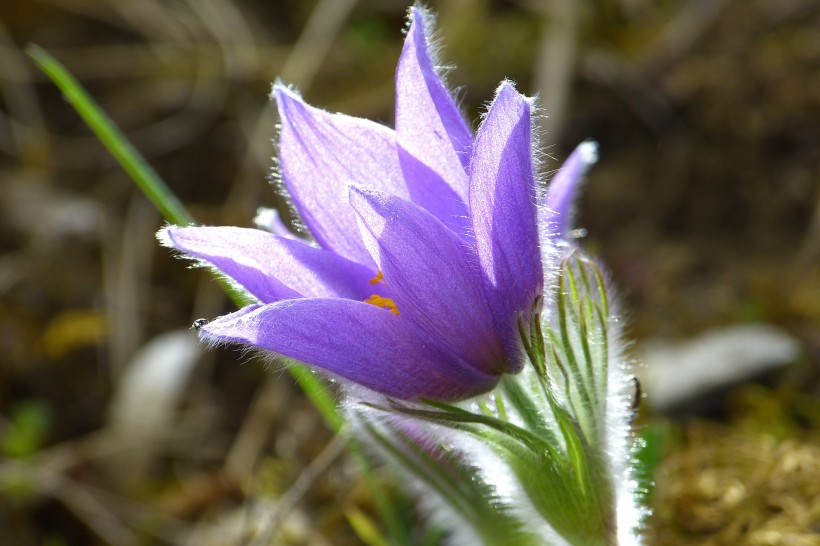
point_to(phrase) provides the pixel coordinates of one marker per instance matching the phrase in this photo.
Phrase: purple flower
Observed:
(428, 252)
(563, 189)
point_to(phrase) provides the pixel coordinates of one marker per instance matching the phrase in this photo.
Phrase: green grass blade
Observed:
(163, 199)
(111, 137)
(317, 391)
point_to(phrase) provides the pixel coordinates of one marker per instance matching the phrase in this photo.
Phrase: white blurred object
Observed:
(251, 519)
(144, 408)
(46, 213)
(675, 372)
(271, 220)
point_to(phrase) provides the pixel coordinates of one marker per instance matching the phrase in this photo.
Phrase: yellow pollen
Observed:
(384, 303)
(379, 278)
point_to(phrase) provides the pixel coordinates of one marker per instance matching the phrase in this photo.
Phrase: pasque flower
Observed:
(437, 270)
(428, 248)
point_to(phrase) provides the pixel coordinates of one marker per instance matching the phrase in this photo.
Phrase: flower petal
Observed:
(502, 205)
(320, 154)
(433, 278)
(359, 342)
(428, 123)
(271, 268)
(428, 190)
(563, 190)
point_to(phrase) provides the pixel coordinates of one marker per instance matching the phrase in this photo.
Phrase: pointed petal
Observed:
(433, 278)
(430, 127)
(320, 154)
(356, 341)
(563, 190)
(502, 205)
(271, 268)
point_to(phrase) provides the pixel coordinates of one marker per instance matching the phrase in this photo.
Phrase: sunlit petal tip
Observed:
(430, 127)
(589, 152)
(281, 90)
(163, 238)
(563, 191)
(511, 100)
(357, 193)
(270, 267)
(218, 333)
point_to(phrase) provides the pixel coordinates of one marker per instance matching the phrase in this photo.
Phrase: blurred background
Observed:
(116, 428)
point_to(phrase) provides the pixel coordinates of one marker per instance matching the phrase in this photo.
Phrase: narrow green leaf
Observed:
(526, 408)
(603, 328)
(556, 360)
(648, 456)
(111, 137)
(576, 452)
(599, 398)
(599, 279)
(365, 528)
(451, 415)
(580, 383)
(538, 349)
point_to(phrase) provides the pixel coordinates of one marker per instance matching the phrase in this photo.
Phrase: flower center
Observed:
(380, 301)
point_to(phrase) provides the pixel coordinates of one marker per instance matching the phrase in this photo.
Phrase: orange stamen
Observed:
(378, 278)
(384, 303)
